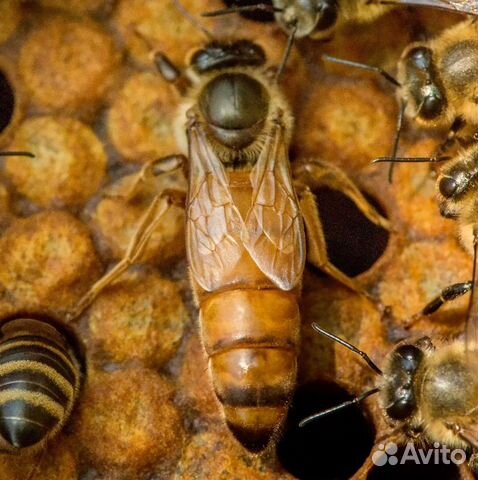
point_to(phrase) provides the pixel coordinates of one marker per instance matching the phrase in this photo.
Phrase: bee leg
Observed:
(147, 225)
(317, 174)
(451, 138)
(316, 245)
(154, 168)
(448, 294)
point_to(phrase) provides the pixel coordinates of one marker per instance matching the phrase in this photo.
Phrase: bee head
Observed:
(398, 391)
(234, 103)
(422, 83)
(307, 16)
(456, 179)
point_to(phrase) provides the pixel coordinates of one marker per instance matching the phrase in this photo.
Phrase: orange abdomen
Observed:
(251, 337)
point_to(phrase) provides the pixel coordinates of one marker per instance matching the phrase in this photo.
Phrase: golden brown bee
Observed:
(428, 390)
(40, 376)
(456, 187)
(439, 87)
(457, 192)
(318, 19)
(245, 235)
(437, 82)
(439, 78)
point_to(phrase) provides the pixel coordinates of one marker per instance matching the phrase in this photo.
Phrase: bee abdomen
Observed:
(39, 380)
(254, 386)
(251, 337)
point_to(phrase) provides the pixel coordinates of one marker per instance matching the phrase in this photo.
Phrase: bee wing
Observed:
(274, 235)
(214, 224)
(460, 6)
(471, 332)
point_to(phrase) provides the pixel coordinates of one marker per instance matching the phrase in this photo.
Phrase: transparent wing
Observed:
(471, 332)
(274, 235)
(214, 224)
(461, 6)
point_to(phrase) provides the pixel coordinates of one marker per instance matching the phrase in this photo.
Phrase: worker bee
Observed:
(40, 376)
(438, 88)
(318, 19)
(247, 222)
(428, 389)
(457, 185)
(436, 83)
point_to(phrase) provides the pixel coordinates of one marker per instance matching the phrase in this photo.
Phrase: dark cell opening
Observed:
(7, 102)
(410, 470)
(332, 447)
(258, 16)
(354, 243)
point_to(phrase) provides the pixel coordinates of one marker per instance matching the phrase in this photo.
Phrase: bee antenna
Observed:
(193, 20)
(348, 345)
(17, 154)
(288, 49)
(410, 159)
(471, 334)
(398, 131)
(346, 404)
(264, 7)
(363, 66)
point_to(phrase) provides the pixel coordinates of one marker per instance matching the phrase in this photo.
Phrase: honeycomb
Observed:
(79, 89)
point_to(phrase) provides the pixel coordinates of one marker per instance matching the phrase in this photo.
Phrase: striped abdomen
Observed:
(251, 338)
(39, 382)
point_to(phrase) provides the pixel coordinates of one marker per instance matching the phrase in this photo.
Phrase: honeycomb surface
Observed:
(89, 103)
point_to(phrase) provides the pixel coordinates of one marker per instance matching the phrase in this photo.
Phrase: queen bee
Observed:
(248, 226)
(318, 19)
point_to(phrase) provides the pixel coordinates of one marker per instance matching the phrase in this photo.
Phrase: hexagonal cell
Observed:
(142, 317)
(334, 446)
(133, 423)
(354, 243)
(127, 422)
(12, 100)
(69, 164)
(68, 65)
(46, 262)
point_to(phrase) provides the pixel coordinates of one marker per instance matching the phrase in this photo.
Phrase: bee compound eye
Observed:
(432, 107)
(420, 58)
(410, 357)
(403, 406)
(448, 186)
(327, 15)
